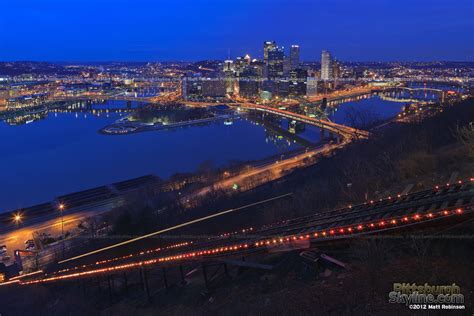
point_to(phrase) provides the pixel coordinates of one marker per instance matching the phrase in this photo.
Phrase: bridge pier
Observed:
(331, 136)
(322, 135)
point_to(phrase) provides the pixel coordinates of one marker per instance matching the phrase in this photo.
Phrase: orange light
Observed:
(359, 227)
(394, 221)
(445, 212)
(17, 217)
(417, 216)
(459, 211)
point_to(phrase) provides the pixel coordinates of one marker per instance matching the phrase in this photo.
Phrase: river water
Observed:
(62, 152)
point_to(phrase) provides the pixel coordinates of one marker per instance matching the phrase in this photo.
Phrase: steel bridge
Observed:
(339, 129)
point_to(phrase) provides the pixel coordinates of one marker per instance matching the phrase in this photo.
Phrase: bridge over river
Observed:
(338, 129)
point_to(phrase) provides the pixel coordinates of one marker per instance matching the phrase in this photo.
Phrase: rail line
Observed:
(442, 204)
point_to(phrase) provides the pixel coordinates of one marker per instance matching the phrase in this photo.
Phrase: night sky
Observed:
(154, 30)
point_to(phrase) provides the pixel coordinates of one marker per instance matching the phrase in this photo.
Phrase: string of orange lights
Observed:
(262, 244)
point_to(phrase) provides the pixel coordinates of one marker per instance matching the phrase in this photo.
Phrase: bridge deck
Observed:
(342, 130)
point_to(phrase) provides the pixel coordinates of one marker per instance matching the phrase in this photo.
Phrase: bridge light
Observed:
(459, 211)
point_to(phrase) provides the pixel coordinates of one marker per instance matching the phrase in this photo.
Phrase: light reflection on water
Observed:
(62, 152)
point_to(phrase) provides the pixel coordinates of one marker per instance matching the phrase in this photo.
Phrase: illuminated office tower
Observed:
(267, 46)
(294, 56)
(276, 59)
(326, 67)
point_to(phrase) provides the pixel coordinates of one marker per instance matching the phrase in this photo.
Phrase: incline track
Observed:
(426, 208)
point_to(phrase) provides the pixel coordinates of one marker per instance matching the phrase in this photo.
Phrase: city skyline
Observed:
(149, 31)
(233, 157)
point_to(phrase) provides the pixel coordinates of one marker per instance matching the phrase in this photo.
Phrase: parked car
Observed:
(3, 253)
(30, 245)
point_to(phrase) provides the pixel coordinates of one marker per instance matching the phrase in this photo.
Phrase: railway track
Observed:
(445, 204)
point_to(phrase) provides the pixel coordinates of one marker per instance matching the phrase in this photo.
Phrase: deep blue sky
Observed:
(142, 30)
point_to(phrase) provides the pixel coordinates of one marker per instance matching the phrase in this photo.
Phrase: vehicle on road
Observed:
(3, 250)
(30, 245)
(3, 253)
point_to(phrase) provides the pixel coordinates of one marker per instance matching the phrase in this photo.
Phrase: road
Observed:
(342, 93)
(273, 170)
(14, 237)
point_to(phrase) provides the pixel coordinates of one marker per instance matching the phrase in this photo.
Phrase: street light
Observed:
(17, 218)
(61, 208)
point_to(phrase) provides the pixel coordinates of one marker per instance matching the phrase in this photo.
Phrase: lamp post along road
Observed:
(61, 209)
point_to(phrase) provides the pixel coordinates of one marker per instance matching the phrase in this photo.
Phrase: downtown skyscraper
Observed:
(294, 56)
(326, 65)
(267, 46)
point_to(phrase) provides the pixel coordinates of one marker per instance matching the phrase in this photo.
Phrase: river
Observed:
(60, 152)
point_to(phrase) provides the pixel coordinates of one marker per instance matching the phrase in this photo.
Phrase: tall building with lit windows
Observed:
(276, 59)
(294, 56)
(326, 67)
(267, 46)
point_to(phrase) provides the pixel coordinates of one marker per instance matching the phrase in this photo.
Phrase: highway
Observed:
(267, 171)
